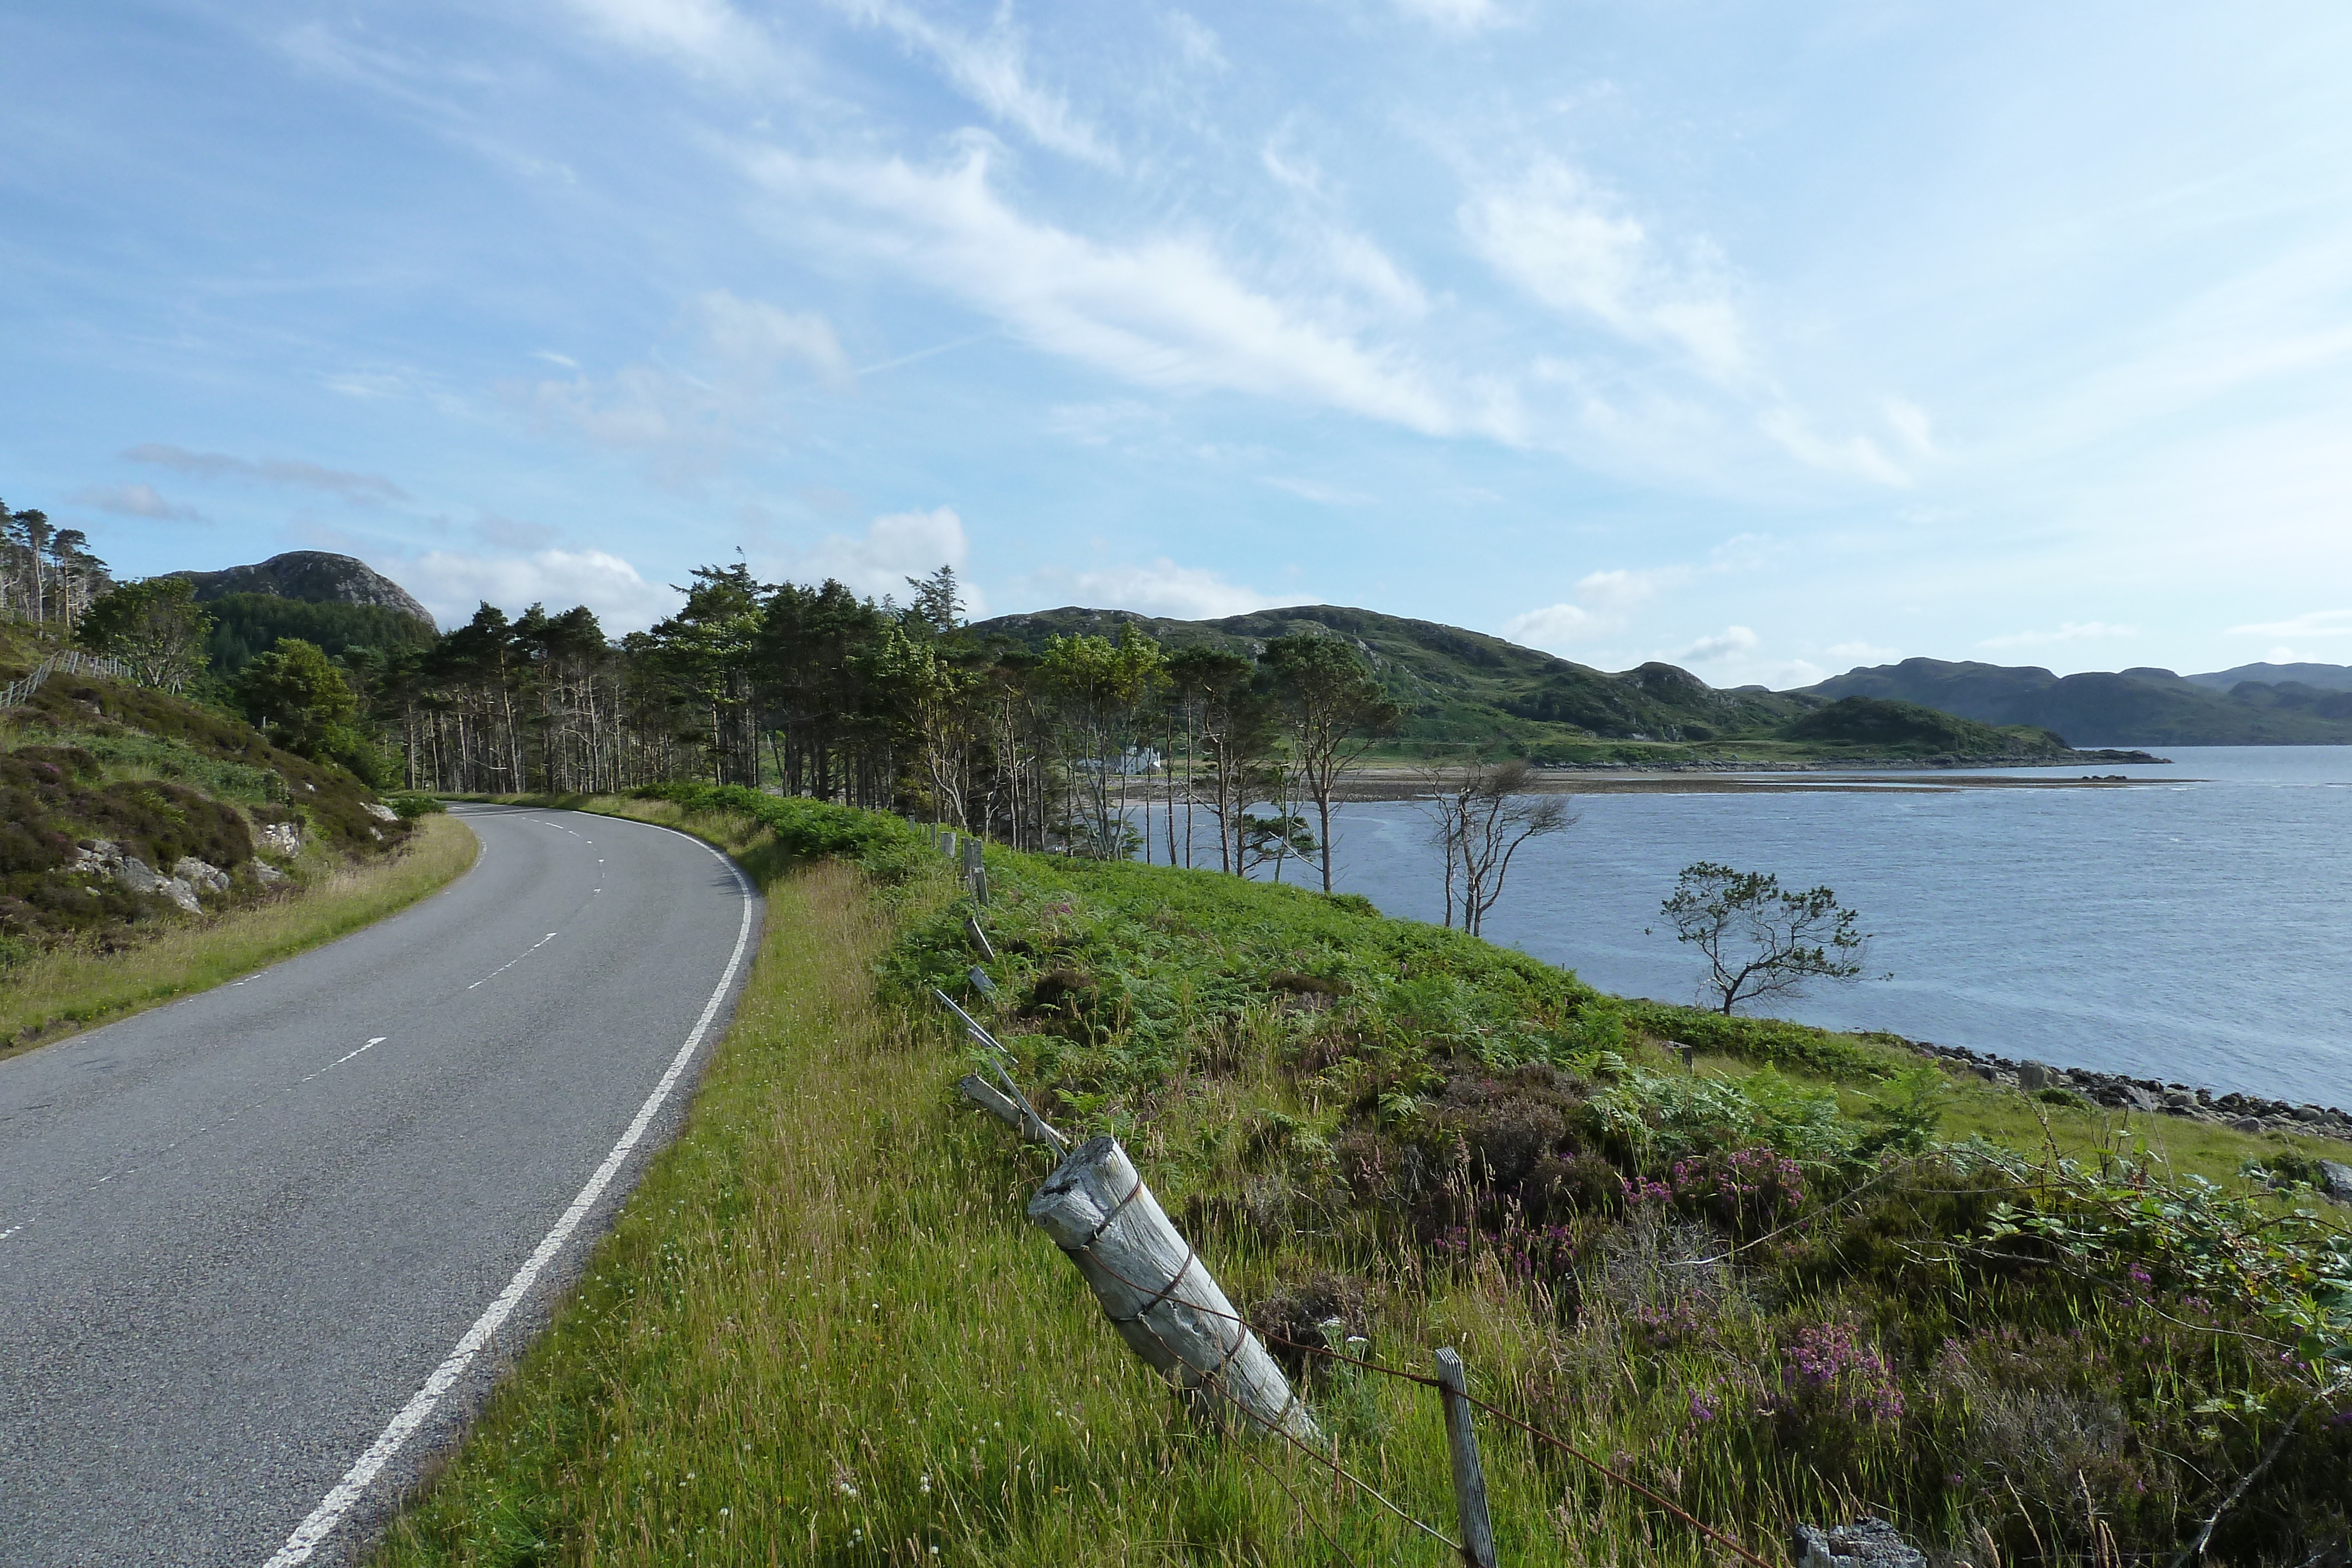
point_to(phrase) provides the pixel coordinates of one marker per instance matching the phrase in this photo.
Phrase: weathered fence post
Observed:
(1002, 1106)
(1156, 1290)
(980, 938)
(1469, 1481)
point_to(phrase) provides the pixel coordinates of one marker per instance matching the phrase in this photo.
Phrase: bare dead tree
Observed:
(1479, 820)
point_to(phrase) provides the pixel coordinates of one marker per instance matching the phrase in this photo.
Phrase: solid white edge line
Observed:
(314, 1531)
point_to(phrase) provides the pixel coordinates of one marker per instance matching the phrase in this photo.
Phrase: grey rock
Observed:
(281, 838)
(2246, 1123)
(380, 813)
(1866, 1543)
(140, 877)
(2033, 1075)
(2140, 1099)
(2336, 1180)
(316, 576)
(99, 858)
(201, 874)
(268, 875)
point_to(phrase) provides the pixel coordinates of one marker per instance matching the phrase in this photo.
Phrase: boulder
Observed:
(100, 857)
(2033, 1075)
(2336, 1180)
(281, 838)
(1866, 1543)
(140, 877)
(268, 875)
(380, 813)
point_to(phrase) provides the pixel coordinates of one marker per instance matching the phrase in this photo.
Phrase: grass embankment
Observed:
(63, 989)
(822, 1331)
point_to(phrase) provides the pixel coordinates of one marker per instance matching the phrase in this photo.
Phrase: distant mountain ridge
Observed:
(2325, 677)
(314, 576)
(2142, 706)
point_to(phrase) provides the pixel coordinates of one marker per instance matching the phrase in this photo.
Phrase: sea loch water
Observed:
(2199, 933)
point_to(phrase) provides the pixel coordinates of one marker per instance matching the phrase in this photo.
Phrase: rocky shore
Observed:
(2243, 1113)
(1941, 760)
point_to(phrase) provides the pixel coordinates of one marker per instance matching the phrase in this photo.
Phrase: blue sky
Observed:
(1769, 340)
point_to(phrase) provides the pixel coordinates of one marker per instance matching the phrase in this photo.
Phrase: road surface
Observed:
(251, 1242)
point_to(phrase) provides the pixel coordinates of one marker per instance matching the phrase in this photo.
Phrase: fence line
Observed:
(73, 663)
(1001, 1060)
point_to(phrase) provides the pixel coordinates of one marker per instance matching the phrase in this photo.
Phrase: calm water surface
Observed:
(2197, 933)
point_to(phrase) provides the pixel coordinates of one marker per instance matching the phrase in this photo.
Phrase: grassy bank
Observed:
(60, 990)
(1815, 1278)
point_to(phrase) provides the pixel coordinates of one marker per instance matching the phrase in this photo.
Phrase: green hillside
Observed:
(107, 788)
(1465, 691)
(1886, 725)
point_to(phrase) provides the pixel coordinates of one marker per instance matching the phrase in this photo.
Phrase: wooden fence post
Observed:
(1156, 1290)
(1469, 1481)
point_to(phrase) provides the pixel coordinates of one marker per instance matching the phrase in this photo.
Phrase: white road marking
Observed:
(348, 1055)
(511, 963)
(10, 1231)
(348, 1491)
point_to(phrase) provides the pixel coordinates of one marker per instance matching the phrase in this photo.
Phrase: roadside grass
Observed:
(822, 1332)
(71, 987)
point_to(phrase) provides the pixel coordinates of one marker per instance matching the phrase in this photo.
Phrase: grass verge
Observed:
(822, 1333)
(68, 989)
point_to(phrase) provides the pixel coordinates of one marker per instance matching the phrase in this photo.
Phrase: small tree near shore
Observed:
(1478, 820)
(1760, 939)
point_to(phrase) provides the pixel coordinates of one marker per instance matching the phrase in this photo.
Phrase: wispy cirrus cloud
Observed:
(689, 421)
(895, 547)
(134, 501)
(992, 69)
(361, 489)
(1168, 311)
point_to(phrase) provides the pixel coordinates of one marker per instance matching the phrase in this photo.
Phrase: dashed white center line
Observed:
(511, 963)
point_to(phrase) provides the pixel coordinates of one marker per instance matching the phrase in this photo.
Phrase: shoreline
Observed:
(2120, 1091)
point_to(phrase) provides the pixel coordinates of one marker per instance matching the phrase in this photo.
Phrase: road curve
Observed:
(240, 1233)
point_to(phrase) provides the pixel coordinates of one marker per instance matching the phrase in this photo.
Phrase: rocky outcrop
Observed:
(189, 877)
(281, 838)
(316, 576)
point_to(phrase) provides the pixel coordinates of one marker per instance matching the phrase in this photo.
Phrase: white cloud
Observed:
(1620, 590)
(993, 71)
(1863, 652)
(1162, 312)
(2071, 632)
(1726, 644)
(894, 547)
(1101, 424)
(690, 423)
(1567, 242)
(450, 585)
(1856, 455)
(2316, 624)
(134, 501)
(1157, 587)
(361, 489)
(1553, 626)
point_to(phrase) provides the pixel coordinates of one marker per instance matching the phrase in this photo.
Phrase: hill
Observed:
(122, 806)
(1463, 690)
(2325, 677)
(315, 576)
(247, 624)
(1887, 724)
(2130, 708)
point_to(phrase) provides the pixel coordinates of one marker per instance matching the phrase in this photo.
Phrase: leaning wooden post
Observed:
(1156, 1290)
(1469, 1481)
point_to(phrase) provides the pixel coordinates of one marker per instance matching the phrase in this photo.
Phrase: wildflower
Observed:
(1702, 1408)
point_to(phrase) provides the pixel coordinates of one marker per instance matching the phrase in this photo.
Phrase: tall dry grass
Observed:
(75, 987)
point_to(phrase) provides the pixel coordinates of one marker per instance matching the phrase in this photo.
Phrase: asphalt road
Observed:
(241, 1234)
